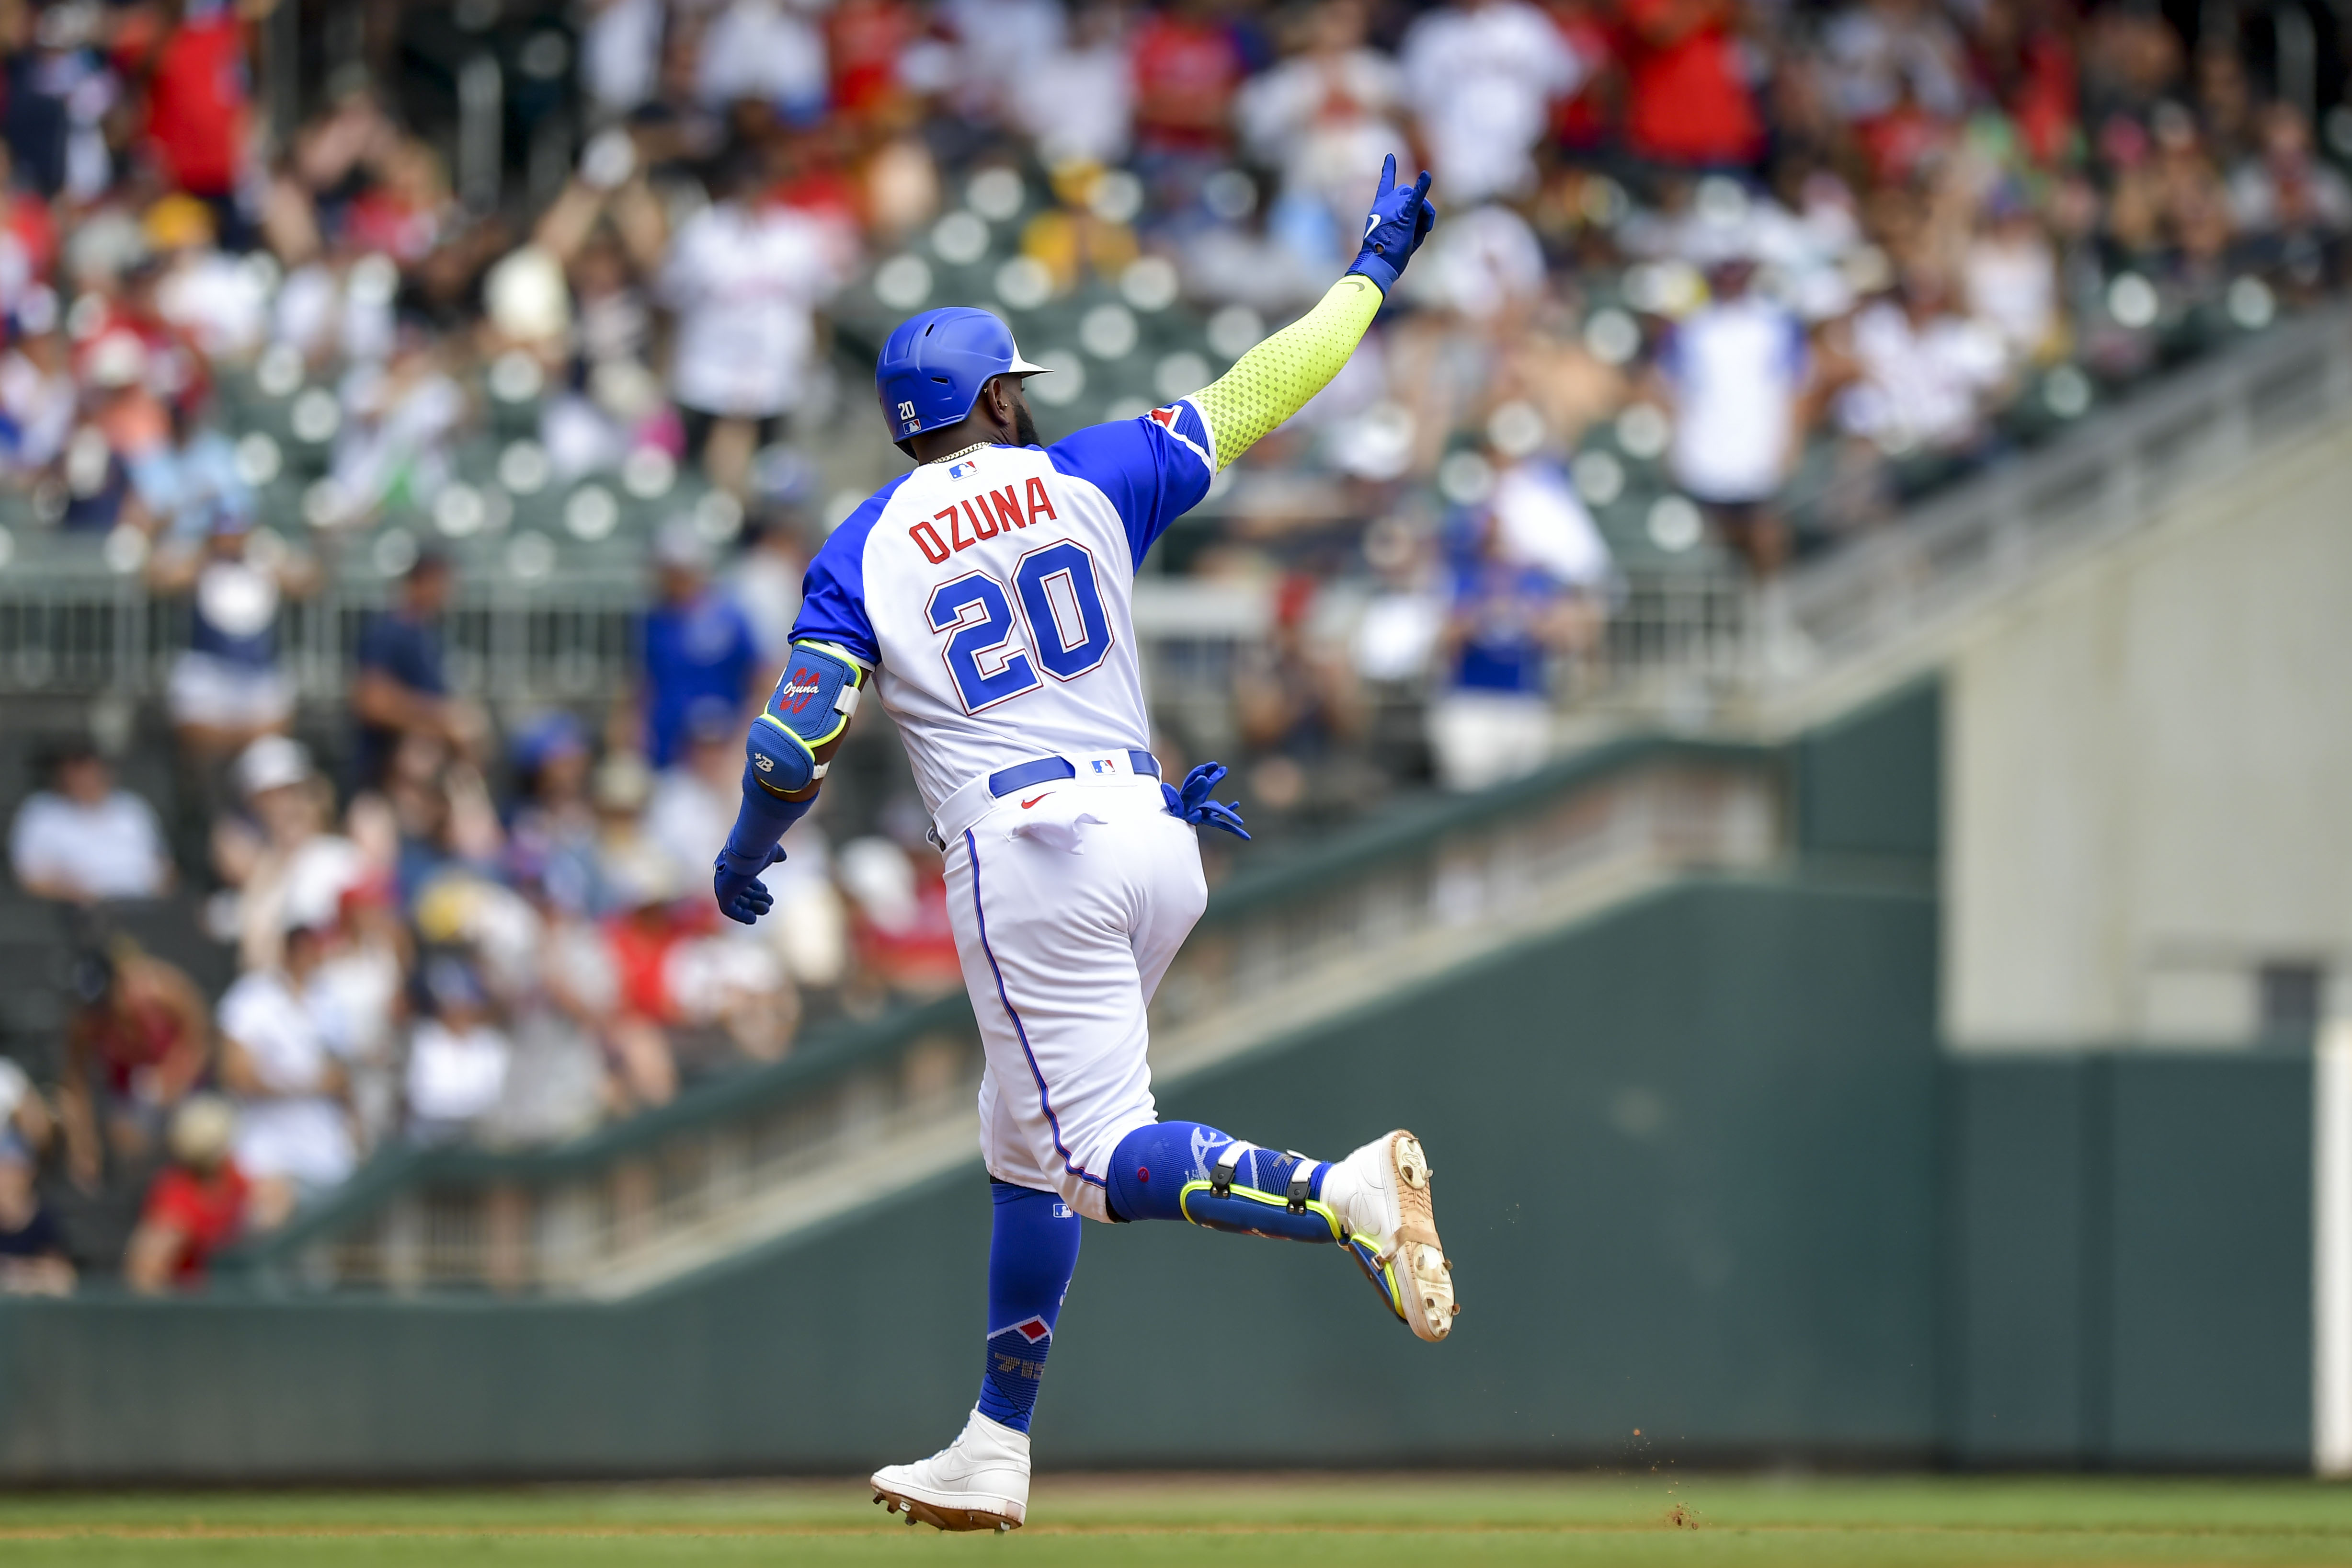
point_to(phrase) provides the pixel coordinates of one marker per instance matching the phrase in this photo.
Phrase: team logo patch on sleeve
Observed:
(1183, 422)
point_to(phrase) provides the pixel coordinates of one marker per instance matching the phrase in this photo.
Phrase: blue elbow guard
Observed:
(812, 705)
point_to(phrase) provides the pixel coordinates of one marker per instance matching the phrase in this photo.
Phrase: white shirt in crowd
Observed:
(114, 849)
(1921, 382)
(1078, 104)
(1481, 79)
(1323, 120)
(765, 50)
(620, 53)
(456, 1076)
(744, 279)
(297, 1131)
(2012, 287)
(1737, 369)
(1000, 42)
(1544, 523)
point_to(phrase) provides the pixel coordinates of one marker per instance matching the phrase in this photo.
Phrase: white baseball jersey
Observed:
(994, 592)
(992, 596)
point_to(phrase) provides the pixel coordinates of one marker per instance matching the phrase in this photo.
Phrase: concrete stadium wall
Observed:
(1688, 1157)
(2149, 757)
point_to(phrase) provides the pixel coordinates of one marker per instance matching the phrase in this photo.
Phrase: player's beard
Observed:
(1024, 429)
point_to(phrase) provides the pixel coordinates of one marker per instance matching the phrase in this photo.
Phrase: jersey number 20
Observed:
(1068, 632)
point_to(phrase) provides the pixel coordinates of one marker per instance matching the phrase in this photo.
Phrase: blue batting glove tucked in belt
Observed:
(1193, 802)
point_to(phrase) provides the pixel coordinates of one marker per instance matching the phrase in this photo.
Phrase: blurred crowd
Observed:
(1717, 285)
(453, 936)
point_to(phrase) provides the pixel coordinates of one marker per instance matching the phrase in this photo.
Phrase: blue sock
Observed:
(1151, 1164)
(1033, 1249)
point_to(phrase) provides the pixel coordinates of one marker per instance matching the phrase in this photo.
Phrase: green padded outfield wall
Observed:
(1704, 1174)
(2130, 1248)
(1686, 1151)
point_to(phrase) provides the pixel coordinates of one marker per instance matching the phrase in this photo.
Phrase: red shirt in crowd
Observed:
(1584, 119)
(206, 1210)
(1686, 98)
(197, 103)
(864, 39)
(1186, 70)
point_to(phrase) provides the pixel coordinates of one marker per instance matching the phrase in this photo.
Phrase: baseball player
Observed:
(986, 593)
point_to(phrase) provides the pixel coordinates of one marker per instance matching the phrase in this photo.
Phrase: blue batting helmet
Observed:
(933, 366)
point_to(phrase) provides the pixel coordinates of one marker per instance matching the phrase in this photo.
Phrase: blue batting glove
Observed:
(1393, 230)
(736, 883)
(1193, 806)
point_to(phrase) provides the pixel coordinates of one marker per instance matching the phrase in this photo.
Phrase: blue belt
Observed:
(1046, 770)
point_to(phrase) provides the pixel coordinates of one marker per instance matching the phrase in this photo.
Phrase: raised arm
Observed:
(1275, 379)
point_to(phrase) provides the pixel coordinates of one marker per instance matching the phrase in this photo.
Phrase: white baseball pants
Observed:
(1069, 901)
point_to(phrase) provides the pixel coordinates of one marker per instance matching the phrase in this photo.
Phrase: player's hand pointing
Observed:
(1399, 220)
(741, 895)
(1194, 805)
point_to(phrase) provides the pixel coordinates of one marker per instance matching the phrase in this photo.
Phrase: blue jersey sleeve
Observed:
(833, 595)
(1154, 469)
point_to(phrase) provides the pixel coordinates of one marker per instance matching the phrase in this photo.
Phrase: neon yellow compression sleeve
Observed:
(1274, 379)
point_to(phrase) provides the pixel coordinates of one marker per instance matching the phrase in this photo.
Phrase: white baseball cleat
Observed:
(980, 1482)
(1392, 1233)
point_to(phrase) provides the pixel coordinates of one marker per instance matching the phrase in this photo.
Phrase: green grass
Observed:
(1213, 1521)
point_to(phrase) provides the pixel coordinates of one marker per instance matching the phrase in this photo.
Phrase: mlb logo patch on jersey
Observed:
(964, 469)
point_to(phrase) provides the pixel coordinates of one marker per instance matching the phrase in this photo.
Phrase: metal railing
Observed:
(2114, 474)
(758, 1155)
(1680, 637)
(79, 632)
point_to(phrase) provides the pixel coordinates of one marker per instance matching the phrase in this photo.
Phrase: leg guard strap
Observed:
(1291, 1216)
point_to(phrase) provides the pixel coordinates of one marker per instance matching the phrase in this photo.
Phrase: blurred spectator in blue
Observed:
(84, 839)
(61, 91)
(552, 836)
(227, 689)
(1737, 370)
(38, 397)
(33, 1259)
(1492, 720)
(457, 1056)
(401, 687)
(697, 645)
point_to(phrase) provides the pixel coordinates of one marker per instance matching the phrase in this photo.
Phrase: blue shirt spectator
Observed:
(698, 647)
(400, 685)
